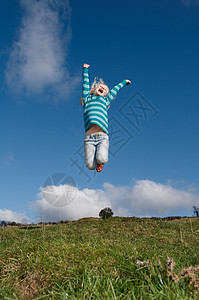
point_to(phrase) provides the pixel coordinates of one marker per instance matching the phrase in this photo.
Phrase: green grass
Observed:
(116, 258)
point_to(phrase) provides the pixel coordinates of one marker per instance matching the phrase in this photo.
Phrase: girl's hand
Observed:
(128, 82)
(86, 66)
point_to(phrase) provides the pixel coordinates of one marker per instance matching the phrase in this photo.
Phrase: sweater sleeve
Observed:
(86, 87)
(113, 92)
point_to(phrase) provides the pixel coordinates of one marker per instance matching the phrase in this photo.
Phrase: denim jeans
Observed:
(96, 147)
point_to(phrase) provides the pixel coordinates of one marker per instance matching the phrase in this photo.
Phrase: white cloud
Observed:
(145, 197)
(11, 216)
(190, 2)
(9, 159)
(37, 60)
(141, 198)
(84, 203)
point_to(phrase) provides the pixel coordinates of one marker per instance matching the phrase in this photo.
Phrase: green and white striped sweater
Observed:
(95, 107)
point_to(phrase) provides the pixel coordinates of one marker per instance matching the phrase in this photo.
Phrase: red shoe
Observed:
(99, 168)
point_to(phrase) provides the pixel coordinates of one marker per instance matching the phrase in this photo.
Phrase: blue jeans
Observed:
(96, 149)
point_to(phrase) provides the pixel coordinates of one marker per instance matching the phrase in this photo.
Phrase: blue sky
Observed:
(151, 171)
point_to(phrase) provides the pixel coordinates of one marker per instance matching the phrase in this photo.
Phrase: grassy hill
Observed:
(116, 258)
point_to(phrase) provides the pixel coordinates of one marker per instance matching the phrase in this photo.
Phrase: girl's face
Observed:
(101, 90)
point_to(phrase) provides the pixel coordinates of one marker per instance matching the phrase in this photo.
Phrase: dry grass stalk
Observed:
(30, 286)
(189, 272)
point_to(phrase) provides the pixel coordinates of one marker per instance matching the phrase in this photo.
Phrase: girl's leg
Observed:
(102, 150)
(90, 153)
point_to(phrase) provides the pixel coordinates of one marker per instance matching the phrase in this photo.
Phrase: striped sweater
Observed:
(95, 107)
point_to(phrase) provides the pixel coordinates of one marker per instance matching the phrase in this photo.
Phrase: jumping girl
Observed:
(96, 102)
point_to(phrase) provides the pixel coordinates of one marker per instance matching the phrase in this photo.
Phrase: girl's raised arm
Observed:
(86, 86)
(113, 92)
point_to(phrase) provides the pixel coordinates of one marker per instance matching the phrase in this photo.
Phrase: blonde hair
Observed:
(97, 81)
